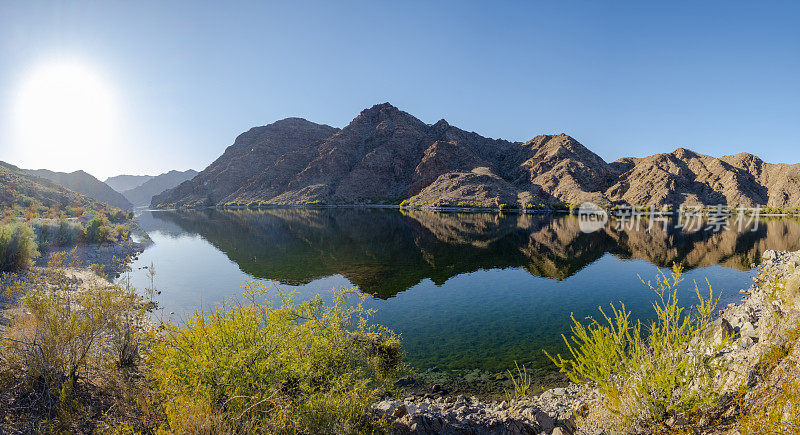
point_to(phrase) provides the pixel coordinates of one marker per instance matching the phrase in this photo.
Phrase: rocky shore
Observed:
(757, 325)
(113, 257)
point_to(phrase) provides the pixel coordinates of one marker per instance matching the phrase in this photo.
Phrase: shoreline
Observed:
(753, 323)
(445, 209)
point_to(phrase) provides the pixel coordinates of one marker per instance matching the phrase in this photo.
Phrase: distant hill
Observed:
(20, 188)
(143, 194)
(386, 156)
(121, 183)
(84, 183)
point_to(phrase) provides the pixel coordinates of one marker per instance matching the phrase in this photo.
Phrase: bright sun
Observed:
(65, 118)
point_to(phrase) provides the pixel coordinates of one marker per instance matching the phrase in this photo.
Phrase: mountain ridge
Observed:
(142, 195)
(124, 182)
(82, 182)
(387, 156)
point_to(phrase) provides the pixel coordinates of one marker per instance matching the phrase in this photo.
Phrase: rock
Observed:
(746, 343)
(400, 411)
(748, 330)
(404, 382)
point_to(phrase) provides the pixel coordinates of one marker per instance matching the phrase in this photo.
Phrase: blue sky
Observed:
(624, 78)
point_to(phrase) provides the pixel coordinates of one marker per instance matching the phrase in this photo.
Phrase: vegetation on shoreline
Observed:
(648, 375)
(299, 367)
(83, 355)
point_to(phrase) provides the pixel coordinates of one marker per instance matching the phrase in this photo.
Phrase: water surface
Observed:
(465, 291)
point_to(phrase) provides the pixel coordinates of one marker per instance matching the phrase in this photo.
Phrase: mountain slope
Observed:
(282, 148)
(386, 156)
(143, 194)
(121, 183)
(685, 177)
(22, 189)
(781, 181)
(84, 183)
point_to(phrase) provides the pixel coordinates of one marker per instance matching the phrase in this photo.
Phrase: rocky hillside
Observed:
(20, 189)
(143, 194)
(84, 183)
(121, 183)
(387, 156)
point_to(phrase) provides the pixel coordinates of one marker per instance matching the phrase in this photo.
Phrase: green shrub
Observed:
(97, 230)
(69, 233)
(17, 246)
(645, 378)
(521, 382)
(298, 368)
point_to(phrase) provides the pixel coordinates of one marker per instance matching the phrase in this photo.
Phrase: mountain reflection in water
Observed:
(384, 252)
(465, 290)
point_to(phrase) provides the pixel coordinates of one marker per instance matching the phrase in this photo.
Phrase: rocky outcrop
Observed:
(551, 413)
(387, 156)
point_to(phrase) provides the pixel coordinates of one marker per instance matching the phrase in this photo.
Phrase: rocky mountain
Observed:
(143, 194)
(84, 183)
(121, 183)
(387, 156)
(20, 188)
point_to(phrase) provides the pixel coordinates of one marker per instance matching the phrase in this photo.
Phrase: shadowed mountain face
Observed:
(84, 183)
(121, 183)
(386, 155)
(142, 195)
(385, 251)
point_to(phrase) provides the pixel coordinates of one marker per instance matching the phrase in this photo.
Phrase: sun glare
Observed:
(65, 118)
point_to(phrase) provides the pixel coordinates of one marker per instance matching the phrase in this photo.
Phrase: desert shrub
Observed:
(65, 343)
(521, 382)
(98, 230)
(120, 232)
(645, 377)
(295, 368)
(18, 246)
(117, 215)
(69, 233)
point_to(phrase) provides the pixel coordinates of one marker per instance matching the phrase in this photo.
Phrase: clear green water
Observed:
(465, 291)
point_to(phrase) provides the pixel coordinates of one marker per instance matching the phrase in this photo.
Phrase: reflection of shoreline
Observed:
(386, 251)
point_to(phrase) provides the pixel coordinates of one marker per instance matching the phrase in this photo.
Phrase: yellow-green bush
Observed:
(251, 367)
(98, 230)
(66, 344)
(17, 246)
(647, 376)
